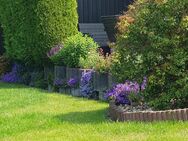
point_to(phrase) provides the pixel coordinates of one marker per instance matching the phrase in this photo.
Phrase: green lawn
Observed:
(28, 114)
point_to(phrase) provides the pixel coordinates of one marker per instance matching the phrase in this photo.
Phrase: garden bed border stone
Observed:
(118, 114)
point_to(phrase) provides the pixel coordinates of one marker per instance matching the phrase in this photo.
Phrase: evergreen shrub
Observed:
(32, 27)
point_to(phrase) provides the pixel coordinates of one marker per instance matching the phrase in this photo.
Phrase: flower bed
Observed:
(87, 86)
(117, 113)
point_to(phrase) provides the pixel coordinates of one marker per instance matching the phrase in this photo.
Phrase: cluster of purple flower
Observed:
(13, 76)
(54, 50)
(86, 83)
(72, 82)
(120, 93)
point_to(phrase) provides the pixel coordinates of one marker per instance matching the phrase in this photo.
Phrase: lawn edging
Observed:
(118, 114)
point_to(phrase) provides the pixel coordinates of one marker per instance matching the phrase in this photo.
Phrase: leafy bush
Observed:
(96, 61)
(32, 27)
(37, 79)
(155, 44)
(75, 48)
(26, 77)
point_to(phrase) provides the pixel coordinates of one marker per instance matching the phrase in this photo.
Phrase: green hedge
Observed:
(32, 27)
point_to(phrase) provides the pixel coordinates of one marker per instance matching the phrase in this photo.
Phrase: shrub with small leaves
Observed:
(75, 48)
(155, 45)
(37, 79)
(96, 61)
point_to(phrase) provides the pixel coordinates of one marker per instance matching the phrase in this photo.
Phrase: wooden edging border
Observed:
(118, 114)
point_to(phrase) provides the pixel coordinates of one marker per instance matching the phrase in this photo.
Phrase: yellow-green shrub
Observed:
(74, 48)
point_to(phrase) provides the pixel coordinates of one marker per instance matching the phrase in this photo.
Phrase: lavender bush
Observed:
(127, 92)
(86, 85)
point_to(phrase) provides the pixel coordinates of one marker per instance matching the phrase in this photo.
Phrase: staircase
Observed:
(96, 31)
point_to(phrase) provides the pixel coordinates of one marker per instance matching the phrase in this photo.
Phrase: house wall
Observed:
(90, 11)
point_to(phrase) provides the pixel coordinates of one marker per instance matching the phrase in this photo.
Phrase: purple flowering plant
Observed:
(54, 50)
(127, 93)
(56, 55)
(86, 84)
(72, 82)
(14, 76)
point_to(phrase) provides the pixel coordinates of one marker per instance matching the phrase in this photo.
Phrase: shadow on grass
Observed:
(88, 117)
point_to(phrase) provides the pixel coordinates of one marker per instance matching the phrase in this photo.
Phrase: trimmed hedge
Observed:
(32, 27)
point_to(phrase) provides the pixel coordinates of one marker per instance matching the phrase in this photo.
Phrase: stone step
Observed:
(96, 31)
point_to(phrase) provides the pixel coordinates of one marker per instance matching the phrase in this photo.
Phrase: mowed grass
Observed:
(28, 114)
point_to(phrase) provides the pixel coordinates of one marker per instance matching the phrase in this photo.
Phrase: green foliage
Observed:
(2, 50)
(37, 80)
(32, 27)
(96, 61)
(4, 64)
(155, 45)
(75, 48)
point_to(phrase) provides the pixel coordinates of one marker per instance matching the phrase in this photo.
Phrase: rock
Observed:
(137, 108)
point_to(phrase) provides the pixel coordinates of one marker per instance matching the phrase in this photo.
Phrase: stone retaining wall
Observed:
(118, 114)
(101, 81)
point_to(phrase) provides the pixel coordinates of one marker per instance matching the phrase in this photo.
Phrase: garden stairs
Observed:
(96, 31)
